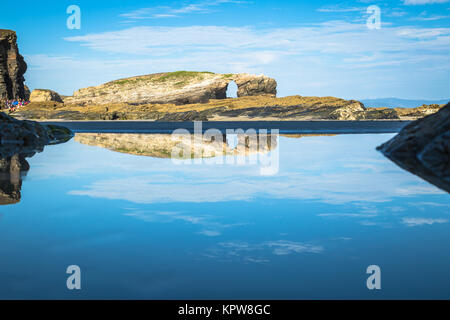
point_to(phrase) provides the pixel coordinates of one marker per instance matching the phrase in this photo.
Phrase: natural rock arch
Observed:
(232, 90)
(180, 87)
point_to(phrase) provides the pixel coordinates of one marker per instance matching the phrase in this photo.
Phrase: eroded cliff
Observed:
(12, 68)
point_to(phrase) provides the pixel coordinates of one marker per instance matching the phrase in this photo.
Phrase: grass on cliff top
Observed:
(180, 78)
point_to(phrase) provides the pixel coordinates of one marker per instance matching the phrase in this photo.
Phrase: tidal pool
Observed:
(143, 227)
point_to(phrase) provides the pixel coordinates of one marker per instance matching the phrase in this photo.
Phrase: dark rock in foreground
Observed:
(19, 140)
(28, 137)
(423, 148)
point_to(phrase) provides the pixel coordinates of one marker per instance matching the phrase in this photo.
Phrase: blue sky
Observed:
(320, 48)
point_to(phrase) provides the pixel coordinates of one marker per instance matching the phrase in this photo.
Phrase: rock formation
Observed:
(12, 67)
(27, 137)
(19, 140)
(181, 87)
(45, 95)
(423, 148)
(250, 85)
(249, 108)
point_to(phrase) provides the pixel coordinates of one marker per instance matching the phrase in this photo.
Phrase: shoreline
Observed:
(284, 127)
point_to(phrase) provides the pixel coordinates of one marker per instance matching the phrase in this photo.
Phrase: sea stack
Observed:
(12, 67)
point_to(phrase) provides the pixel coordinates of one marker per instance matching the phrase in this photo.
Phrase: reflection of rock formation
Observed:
(11, 171)
(423, 148)
(166, 145)
(303, 135)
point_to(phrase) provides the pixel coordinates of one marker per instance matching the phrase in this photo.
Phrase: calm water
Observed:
(144, 227)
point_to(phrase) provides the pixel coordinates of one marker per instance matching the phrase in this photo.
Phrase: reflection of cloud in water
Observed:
(430, 204)
(348, 215)
(385, 220)
(327, 169)
(283, 247)
(231, 249)
(414, 222)
(328, 187)
(211, 228)
(259, 252)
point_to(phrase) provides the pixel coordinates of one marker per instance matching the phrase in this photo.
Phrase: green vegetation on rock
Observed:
(180, 77)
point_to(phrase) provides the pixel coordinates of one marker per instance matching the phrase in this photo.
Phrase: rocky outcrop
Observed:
(249, 108)
(181, 87)
(12, 67)
(423, 148)
(166, 146)
(19, 140)
(27, 137)
(45, 95)
(250, 85)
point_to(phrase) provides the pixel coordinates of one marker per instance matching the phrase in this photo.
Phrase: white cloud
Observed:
(420, 2)
(339, 8)
(331, 37)
(413, 222)
(430, 18)
(172, 12)
(330, 58)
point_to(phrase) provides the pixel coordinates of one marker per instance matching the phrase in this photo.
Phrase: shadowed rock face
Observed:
(166, 146)
(182, 87)
(19, 140)
(12, 67)
(27, 137)
(423, 148)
